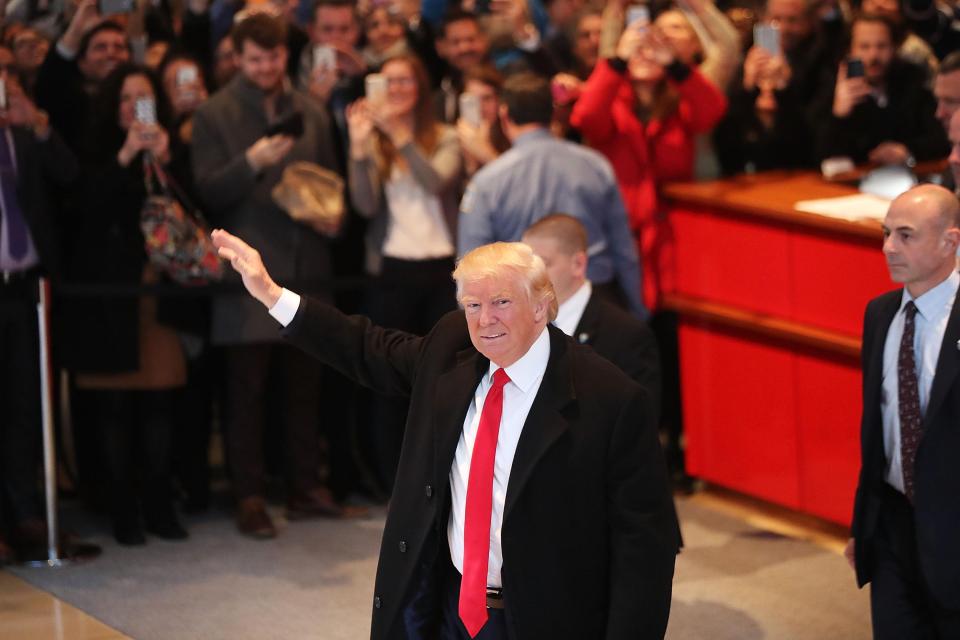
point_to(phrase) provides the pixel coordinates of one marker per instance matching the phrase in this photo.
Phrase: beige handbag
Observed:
(310, 194)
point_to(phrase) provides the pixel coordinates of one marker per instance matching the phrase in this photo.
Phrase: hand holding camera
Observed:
(851, 88)
(268, 151)
(360, 126)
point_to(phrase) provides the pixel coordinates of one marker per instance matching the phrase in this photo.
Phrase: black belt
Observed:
(494, 598)
(9, 278)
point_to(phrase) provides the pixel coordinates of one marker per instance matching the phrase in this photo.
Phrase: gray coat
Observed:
(439, 174)
(239, 199)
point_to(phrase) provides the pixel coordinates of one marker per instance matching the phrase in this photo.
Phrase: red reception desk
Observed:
(771, 307)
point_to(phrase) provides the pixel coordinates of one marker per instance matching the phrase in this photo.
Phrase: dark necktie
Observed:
(16, 225)
(909, 400)
(479, 510)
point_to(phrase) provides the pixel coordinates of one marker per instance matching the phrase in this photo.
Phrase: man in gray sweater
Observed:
(236, 164)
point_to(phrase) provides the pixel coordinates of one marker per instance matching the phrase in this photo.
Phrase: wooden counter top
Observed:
(771, 195)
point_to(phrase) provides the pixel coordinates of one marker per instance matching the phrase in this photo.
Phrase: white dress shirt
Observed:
(930, 324)
(415, 227)
(570, 312)
(526, 374)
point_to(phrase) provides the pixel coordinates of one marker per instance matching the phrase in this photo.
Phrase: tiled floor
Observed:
(30, 614)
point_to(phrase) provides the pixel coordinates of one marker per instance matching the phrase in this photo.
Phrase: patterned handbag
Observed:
(176, 235)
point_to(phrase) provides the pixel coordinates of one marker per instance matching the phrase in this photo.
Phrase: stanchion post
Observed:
(49, 443)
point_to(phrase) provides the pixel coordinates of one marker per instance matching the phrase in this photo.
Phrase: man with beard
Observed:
(88, 51)
(236, 164)
(886, 115)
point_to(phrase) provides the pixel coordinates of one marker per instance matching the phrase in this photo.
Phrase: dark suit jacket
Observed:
(936, 471)
(43, 166)
(589, 533)
(624, 340)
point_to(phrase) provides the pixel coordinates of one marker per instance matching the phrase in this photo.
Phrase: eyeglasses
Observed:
(400, 81)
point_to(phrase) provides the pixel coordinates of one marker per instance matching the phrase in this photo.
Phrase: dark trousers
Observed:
(451, 627)
(901, 603)
(134, 433)
(19, 401)
(410, 296)
(273, 387)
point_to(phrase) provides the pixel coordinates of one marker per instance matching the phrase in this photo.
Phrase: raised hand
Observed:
(360, 127)
(246, 261)
(268, 151)
(848, 93)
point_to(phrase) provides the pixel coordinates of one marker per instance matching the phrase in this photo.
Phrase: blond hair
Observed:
(509, 259)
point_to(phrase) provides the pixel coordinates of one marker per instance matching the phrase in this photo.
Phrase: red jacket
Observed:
(644, 156)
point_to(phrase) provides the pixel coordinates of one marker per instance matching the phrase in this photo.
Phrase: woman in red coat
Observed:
(642, 109)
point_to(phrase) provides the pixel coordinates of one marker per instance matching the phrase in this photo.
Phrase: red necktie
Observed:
(476, 527)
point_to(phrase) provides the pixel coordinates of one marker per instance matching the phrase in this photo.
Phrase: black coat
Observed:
(101, 333)
(589, 532)
(624, 340)
(43, 168)
(936, 472)
(908, 118)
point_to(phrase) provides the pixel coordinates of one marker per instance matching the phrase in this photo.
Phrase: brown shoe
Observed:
(319, 503)
(253, 519)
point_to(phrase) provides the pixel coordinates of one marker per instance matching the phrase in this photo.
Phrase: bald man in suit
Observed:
(906, 521)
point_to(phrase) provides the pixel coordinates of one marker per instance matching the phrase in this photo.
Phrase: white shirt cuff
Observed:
(286, 307)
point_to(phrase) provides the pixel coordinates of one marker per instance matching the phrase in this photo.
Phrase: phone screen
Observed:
(113, 7)
(470, 109)
(324, 57)
(638, 14)
(145, 111)
(186, 75)
(3, 94)
(767, 36)
(376, 87)
(855, 68)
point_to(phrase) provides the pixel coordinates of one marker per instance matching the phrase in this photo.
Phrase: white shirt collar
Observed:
(526, 371)
(570, 312)
(936, 299)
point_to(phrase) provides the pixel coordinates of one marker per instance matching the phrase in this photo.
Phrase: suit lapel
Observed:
(452, 396)
(587, 327)
(948, 364)
(544, 424)
(874, 382)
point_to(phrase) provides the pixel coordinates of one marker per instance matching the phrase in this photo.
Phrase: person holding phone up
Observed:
(128, 365)
(244, 137)
(878, 108)
(404, 176)
(642, 109)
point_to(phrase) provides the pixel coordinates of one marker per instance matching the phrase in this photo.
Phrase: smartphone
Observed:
(470, 109)
(855, 68)
(767, 36)
(145, 111)
(638, 14)
(375, 85)
(562, 94)
(186, 75)
(3, 93)
(289, 125)
(324, 57)
(113, 7)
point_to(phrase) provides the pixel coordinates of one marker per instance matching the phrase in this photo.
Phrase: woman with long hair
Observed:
(129, 366)
(404, 175)
(642, 108)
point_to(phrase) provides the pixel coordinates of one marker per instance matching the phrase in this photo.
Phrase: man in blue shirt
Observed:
(541, 175)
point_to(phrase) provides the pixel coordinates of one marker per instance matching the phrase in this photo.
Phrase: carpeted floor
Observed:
(316, 581)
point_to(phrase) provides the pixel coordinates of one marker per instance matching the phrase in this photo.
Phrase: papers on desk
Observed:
(860, 206)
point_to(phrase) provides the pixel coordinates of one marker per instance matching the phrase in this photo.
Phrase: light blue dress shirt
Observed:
(541, 175)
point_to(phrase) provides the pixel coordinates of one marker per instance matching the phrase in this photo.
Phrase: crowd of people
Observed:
(452, 125)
